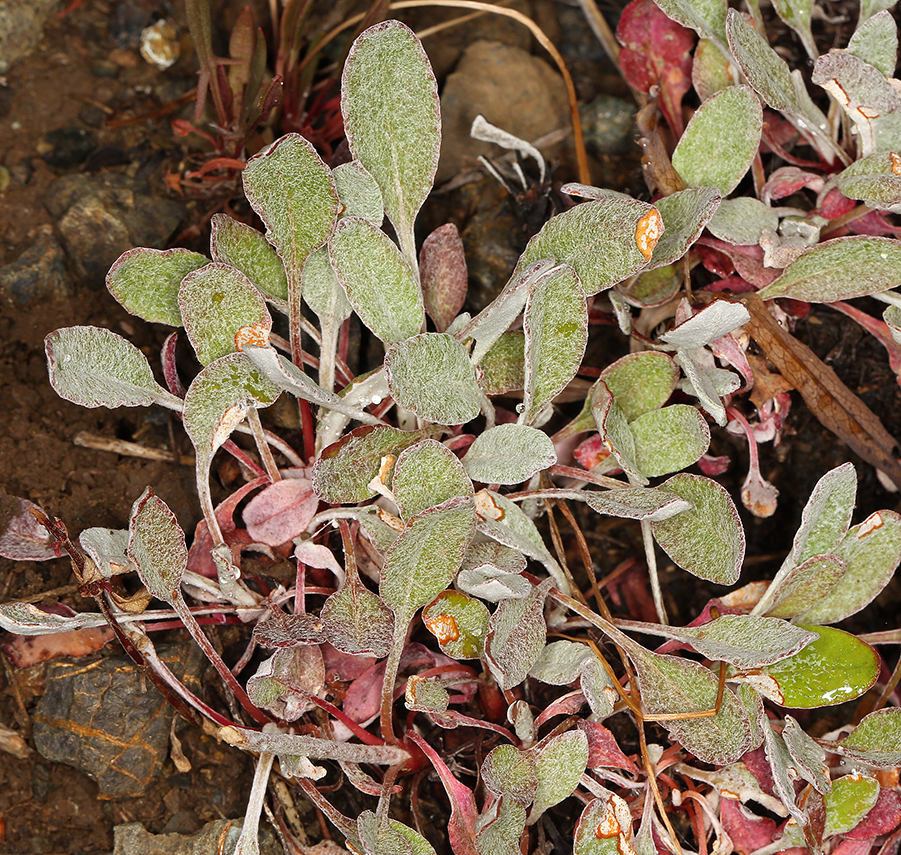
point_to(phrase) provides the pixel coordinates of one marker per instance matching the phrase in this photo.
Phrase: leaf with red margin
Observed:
(656, 52)
(281, 512)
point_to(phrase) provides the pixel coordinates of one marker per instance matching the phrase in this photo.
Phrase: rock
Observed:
(106, 720)
(39, 273)
(220, 837)
(512, 89)
(608, 125)
(66, 148)
(101, 216)
(21, 25)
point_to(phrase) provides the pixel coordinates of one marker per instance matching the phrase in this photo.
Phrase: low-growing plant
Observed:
(420, 528)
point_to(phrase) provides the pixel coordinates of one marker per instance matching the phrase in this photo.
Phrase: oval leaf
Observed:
(637, 503)
(146, 281)
(835, 668)
(293, 192)
(378, 281)
(556, 328)
(389, 101)
(94, 367)
(604, 241)
(426, 475)
(431, 375)
(840, 269)
(708, 541)
(668, 440)
(641, 382)
(876, 740)
(509, 454)
(156, 545)
(357, 622)
(559, 764)
(247, 250)
(685, 214)
(216, 301)
(460, 624)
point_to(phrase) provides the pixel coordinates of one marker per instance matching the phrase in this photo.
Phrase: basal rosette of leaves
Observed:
(417, 503)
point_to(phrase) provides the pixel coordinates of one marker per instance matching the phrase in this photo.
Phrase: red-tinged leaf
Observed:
(344, 666)
(884, 817)
(592, 451)
(853, 847)
(603, 749)
(280, 630)
(834, 204)
(442, 271)
(747, 831)
(656, 52)
(364, 696)
(281, 512)
(788, 180)
(22, 537)
(25, 651)
(461, 829)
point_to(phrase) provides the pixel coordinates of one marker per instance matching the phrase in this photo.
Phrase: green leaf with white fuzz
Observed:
(509, 454)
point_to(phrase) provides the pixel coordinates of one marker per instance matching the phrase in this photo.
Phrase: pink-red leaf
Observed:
(281, 512)
(442, 269)
(22, 537)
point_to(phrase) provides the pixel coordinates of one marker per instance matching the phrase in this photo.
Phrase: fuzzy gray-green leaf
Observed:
(827, 514)
(876, 740)
(431, 375)
(509, 454)
(145, 281)
(742, 221)
(875, 180)
(94, 367)
(721, 140)
(559, 764)
(244, 248)
(641, 382)
(293, 192)
(422, 561)
(556, 329)
(359, 192)
(427, 474)
(379, 283)
(706, 17)
(389, 100)
(156, 545)
(215, 302)
(669, 439)
(637, 503)
(871, 551)
(840, 269)
(806, 585)
(598, 239)
(685, 213)
(875, 41)
(708, 541)
(343, 471)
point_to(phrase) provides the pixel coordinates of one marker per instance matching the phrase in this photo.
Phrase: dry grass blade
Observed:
(830, 400)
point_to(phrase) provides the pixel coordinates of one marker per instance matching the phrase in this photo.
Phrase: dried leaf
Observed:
(604, 828)
(833, 403)
(22, 537)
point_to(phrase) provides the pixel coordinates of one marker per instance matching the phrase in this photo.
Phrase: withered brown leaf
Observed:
(830, 400)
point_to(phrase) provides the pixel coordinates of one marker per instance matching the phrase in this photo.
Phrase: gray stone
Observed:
(220, 837)
(21, 25)
(101, 216)
(39, 273)
(512, 89)
(609, 125)
(104, 718)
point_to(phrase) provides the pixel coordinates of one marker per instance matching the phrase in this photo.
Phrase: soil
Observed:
(88, 74)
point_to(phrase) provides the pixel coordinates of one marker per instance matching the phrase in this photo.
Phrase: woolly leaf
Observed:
(94, 367)
(559, 764)
(708, 541)
(637, 503)
(247, 250)
(509, 454)
(460, 624)
(156, 545)
(145, 281)
(378, 281)
(669, 439)
(425, 475)
(685, 214)
(431, 375)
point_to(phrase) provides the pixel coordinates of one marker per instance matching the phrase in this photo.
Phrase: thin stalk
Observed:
(248, 843)
(259, 436)
(392, 663)
(647, 537)
(188, 619)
